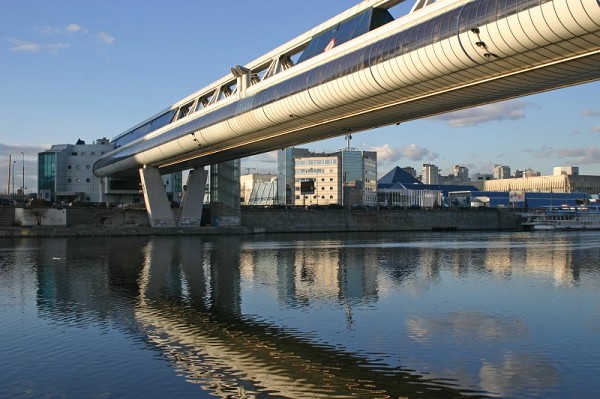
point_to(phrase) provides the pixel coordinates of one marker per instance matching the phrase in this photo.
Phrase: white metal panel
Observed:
(437, 55)
(468, 40)
(529, 28)
(586, 13)
(389, 74)
(245, 122)
(453, 49)
(276, 114)
(541, 25)
(563, 11)
(360, 85)
(171, 149)
(514, 36)
(425, 69)
(326, 95)
(187, 142)
(215, 133)
(554, 20)
(153, 155)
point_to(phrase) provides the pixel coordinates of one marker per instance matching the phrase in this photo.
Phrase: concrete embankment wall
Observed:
(293, 220)
(7, 216)
(109, 222)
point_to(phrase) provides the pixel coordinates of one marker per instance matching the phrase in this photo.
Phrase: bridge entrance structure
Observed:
(363, 69)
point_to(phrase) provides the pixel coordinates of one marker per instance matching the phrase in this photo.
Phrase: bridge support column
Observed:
(225, 194)
(155, 197)
(193, 198)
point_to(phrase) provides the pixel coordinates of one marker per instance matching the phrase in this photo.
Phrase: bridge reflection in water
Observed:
(397, 315)
(193, 314)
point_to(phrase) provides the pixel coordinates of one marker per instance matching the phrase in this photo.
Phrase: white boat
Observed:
(581, 217)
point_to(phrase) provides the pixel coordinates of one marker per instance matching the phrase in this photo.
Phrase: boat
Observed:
(580, 217)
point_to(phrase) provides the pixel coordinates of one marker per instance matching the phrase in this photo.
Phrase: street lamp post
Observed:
(23, 186)
(13, 177)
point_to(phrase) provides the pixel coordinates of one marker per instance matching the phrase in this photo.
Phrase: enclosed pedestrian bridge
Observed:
(364, 69)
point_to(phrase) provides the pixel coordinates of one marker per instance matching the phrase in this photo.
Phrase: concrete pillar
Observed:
(193, 198)
(155, 197)
(225, 194)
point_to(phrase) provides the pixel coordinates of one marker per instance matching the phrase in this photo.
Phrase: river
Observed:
(401, 315)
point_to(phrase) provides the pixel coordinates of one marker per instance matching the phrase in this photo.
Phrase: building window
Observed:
(87, 166)
(69, 180)
(78, 180)
(88, 180)
(68, 166)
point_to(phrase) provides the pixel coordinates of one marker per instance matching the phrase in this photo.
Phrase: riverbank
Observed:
(255, 221)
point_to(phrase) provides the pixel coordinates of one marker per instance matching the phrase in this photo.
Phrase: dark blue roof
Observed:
(446, 188)
(399, 178)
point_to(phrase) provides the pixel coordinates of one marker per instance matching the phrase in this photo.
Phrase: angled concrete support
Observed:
(155, 196)
(193, 198)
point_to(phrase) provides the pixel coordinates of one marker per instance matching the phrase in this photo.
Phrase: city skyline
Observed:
(86, 71)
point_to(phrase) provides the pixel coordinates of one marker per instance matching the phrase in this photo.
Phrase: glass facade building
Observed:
(225, 193)
(347, 177)
(285, 173)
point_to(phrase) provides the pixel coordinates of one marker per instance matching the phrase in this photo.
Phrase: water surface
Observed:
(431, 315)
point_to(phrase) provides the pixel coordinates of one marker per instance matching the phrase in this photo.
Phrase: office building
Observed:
(65, 175)
(461, 174)
(430, 174)
(501, 172)
(347, 177)
(285, 173)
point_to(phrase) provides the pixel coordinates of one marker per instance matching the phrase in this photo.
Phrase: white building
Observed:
(65, 175)
(461, 173)
(347, 177)
(566, 170)
(430, 174)
(501, 172)
(258, 189)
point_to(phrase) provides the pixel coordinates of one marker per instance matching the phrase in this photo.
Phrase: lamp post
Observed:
(13, 176)
(23, 186)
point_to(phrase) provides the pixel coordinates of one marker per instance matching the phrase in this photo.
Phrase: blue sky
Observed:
(74, 69)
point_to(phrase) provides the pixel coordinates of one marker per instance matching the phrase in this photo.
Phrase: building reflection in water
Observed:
(185, 296)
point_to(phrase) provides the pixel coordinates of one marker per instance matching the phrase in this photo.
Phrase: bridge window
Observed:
(346, 30)
(185, 110)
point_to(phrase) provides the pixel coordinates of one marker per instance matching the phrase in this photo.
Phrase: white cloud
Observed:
(47, 30)
(517, 372)
(74, 28)
(590, 113)
(105, 38)
(31, 47)
(508, 110)
(575, 156)
(386, 153)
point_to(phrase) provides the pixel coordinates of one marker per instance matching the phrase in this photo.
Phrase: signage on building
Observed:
(307, 187)
(516, 196)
